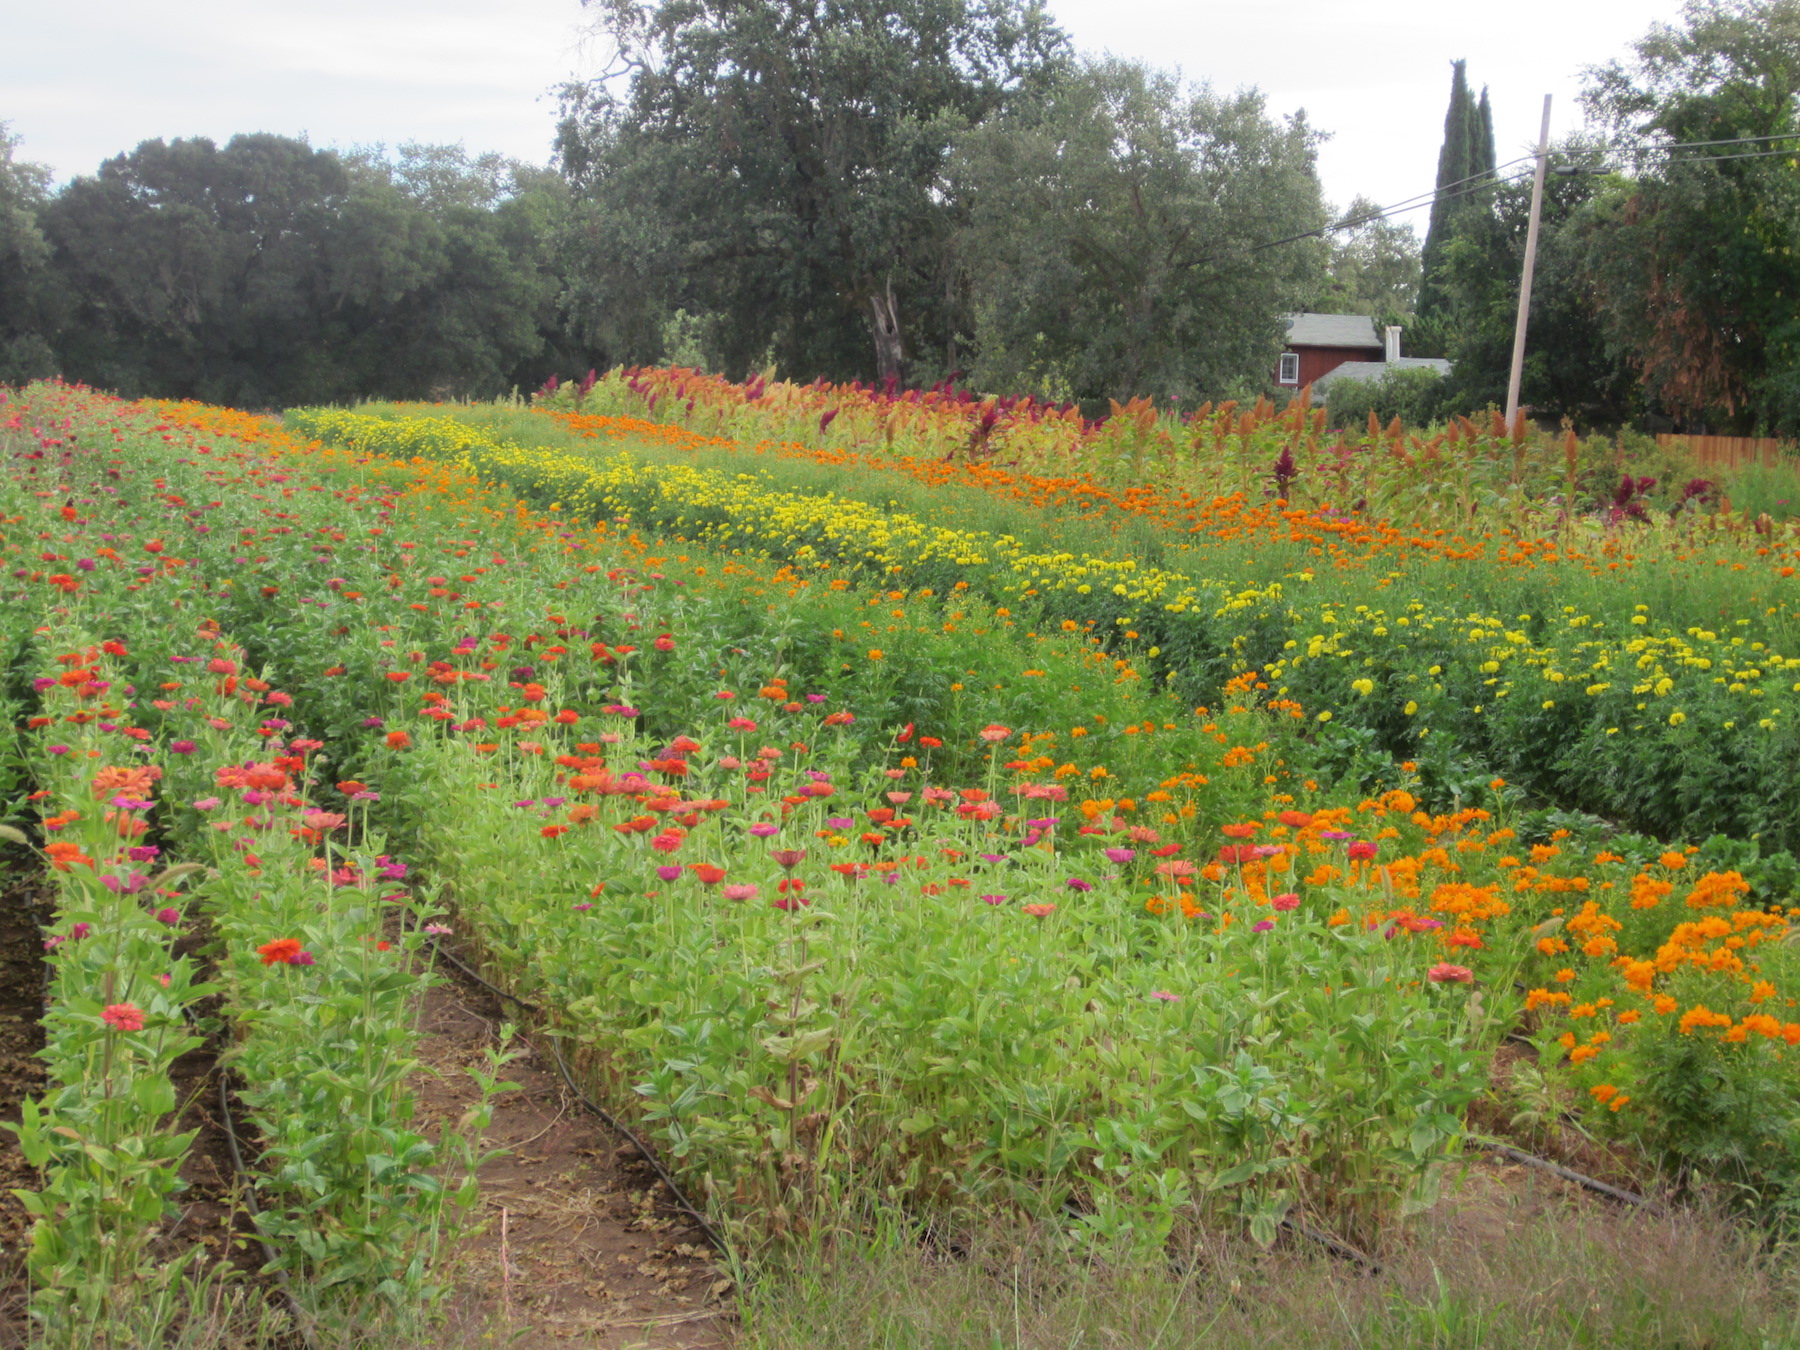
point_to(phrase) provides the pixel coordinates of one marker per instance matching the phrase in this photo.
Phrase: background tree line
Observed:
(265, 272)
(917, 190)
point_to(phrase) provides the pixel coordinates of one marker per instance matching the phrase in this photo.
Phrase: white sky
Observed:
(84, 84)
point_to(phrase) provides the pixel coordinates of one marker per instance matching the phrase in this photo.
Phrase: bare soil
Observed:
(576, 1243)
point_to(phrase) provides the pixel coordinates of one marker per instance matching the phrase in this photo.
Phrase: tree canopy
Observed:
(1117, 233)
(777, 164)
(267, 272)
(1372, 268)
(1693, 258)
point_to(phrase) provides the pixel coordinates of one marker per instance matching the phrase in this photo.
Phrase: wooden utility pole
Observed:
(1531, 234)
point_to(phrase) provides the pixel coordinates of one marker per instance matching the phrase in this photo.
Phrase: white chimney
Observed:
(1391, 344)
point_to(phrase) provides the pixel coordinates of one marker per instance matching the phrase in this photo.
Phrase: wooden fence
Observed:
(1731, 452)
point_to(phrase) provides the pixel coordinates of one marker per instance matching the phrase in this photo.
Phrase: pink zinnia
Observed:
(1120, 855)
(1285, 902)
(1039, 911)
(739, 892)
(1445, 973)
(123, 1017)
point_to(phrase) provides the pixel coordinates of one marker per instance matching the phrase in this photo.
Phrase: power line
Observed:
(1747, 154)
(1476, 182)
(1733, 140)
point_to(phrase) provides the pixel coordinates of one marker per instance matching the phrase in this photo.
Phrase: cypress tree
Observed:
(1467, 155)
(1484, 136)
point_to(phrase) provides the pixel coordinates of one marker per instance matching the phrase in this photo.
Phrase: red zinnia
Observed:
(279, 952)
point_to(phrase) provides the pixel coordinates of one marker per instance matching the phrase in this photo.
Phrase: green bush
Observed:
(1415, 395)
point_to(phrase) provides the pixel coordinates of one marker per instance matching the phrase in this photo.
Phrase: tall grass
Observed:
(1507, 1268)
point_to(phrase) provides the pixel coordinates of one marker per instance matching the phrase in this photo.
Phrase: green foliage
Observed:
(1373, 267)
(779, 165)
(1417, 396)
(24, 266)
(1570, 370)
(106, 1133)
(1695, 262)
(267, 272)
(1112, 231)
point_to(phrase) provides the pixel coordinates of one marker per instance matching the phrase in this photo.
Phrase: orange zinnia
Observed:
(279, 952)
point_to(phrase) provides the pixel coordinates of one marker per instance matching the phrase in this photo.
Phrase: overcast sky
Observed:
(84, 84)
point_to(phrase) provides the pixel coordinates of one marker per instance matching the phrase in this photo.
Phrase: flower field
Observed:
(882, 834)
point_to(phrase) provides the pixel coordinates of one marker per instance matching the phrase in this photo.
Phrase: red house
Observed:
(1318, 344)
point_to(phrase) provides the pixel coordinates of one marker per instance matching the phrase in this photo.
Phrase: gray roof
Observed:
(1331, 330)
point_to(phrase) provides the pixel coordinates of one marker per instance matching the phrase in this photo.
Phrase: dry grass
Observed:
(1513, 1263)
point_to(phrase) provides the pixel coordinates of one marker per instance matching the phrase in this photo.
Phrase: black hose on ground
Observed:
(1568, 1174)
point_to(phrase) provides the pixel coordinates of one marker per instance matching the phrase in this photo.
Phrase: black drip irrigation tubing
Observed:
(612, 1122)
(1336, 1246)
(1568, 1174)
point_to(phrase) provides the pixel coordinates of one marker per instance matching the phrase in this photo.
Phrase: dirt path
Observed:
(577, 1245)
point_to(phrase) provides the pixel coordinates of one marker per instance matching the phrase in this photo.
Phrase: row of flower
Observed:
(1670, 731)
(1125, 750)
(201, 895)
(1467, 468)
(1197, 951)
